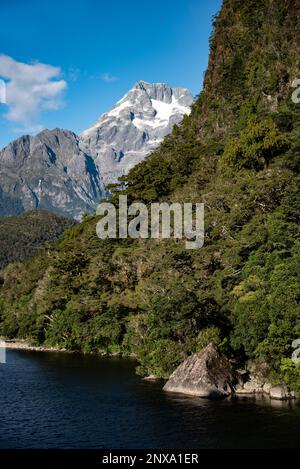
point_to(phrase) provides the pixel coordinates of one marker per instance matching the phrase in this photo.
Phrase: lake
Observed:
(59, 400)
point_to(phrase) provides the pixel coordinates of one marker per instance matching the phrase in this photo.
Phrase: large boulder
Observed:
(205, 374)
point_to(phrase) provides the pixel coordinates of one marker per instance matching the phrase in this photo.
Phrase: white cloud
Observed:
(108, 78)
(30, 89)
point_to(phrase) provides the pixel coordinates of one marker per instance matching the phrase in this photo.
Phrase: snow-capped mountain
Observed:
(66, 174)
(135, 126)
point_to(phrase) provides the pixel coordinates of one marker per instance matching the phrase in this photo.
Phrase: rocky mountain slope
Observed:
(48, 172)
(66, 174)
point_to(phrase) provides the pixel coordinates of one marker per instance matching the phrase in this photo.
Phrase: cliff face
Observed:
(253, 62)
(239, 153)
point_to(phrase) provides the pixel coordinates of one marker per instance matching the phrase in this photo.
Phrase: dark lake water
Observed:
(56, 400)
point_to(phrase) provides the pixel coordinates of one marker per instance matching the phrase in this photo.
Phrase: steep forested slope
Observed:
(239, 153)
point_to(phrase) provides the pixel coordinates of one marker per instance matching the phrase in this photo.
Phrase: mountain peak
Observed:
(135, 126)
(146, 86)
(141, 84)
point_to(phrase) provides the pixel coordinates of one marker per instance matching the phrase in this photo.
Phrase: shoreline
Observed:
(22, 344)
(11, 344)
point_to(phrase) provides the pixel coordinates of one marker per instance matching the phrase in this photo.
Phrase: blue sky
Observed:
(81, 56)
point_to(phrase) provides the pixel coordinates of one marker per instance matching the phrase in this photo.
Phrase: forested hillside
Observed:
(21, 237)
(239, 154)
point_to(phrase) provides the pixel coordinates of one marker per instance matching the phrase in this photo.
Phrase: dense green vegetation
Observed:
(21, 237)
(239, 153)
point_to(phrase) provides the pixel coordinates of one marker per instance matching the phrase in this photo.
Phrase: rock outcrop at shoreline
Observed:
(207, 373)
(256, 380)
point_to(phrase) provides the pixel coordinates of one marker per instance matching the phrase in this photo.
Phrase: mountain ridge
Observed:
(65, 173)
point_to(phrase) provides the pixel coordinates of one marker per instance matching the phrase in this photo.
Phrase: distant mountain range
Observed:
(66, 174)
